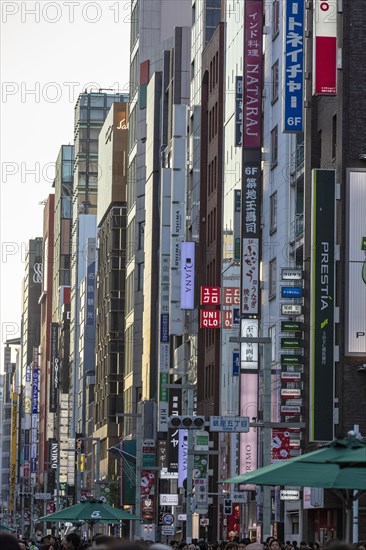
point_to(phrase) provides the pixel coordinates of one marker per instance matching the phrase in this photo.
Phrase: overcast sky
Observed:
(50, 52)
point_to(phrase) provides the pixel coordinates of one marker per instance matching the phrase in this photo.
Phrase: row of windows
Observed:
(212, 122)
(214, 72)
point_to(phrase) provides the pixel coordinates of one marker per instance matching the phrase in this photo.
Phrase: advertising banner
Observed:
(322, 305)
(187, 275)
(250, 277)
(294, 66)
(252, 74)
(325, 47)
(248, 441)
(54, 370)
(355, 288)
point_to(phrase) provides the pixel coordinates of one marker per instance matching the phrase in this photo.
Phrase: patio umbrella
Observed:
(339, 465)
(5, 528)
(91, 511)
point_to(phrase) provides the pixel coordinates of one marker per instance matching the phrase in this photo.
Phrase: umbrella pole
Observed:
(349, 519)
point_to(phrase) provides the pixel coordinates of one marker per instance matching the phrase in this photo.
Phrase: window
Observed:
(272, 335)
(275, 76)
(272, 278)
(273, 212)
(275, 18)
(334, 137)
(274, 147)
(141, 235)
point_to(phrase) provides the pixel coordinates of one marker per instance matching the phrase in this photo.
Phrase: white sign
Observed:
(291, 274)
(234, 424)
(182, 517)
(168, 500)
(42, 496)
(289, 494)
(248, 350)
(285, 392)
(167, 529)
(239, 497)
(291, 309)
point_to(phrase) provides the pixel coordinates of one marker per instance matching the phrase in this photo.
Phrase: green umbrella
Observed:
(5, 528)
(90, 511)
(339, 466)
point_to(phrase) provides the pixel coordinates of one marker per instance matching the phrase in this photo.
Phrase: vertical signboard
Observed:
(248, 440)
(238, 111)
(325, 47)
(13, 448)
(294, 66)
(175, 409)
(54, 374)
(252, 89)
(356, 263)
(322, 305)
(35, 410)
(182, 456)
(187, 275)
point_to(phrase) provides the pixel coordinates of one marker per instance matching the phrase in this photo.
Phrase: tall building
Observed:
(110, 284)
(90, 112)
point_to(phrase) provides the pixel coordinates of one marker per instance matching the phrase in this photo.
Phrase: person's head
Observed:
(102, 540)
(8, 541)
(71, 540)
(183, 545)
(242, 545)
(274, 545)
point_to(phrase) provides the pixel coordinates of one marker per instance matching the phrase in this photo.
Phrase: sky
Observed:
(50, 52)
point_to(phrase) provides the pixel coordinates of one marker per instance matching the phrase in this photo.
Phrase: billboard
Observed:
(355, 288)
(294, 66)
(248, 440)
(54, 371)
(322, 305)
(325, 47)
(187, 275)
(252, 74)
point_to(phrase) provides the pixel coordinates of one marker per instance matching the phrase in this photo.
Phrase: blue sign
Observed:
(236, 316)
(237, 200)
(291, 292)
(28, 373)
(294, 67)
(164, 328)
(90, 290)
(236, 363)
(35, 392)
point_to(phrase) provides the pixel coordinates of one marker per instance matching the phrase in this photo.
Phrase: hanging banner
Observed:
(325, 47)
(252, 74)
(54, 368)
(322, 304)
(294, 66)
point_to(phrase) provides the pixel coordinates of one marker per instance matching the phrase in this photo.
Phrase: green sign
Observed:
(200, 465)
(164, 392)
(291, 326)
(292, 360)
(292, 343)
(322, 305)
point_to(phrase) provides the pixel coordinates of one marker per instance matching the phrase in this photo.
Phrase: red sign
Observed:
(280, 444)
(252, 88)
(147, 490)
(210, 295)
(210, 318)
(325, 34)
(227, 318)
(231, 295)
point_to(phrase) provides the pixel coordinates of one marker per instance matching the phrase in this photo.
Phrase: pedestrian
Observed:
(8, 542)
(71, 541)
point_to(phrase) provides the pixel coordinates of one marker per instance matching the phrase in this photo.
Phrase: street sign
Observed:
(42, 496)
(232, 424)
(168, 519)
(239, 496)
(291, 274)
(182, 517)
(291, 309)
(168, 500)
(291, 292)
(291, 326)
(167, 530)
(292, 360)
(289, 494)
(292, 343)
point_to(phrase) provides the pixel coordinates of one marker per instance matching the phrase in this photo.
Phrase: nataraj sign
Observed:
(252, 89)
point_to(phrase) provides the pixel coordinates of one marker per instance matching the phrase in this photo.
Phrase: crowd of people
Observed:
(72, 541)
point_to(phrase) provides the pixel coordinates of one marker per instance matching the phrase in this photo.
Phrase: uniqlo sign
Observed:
(227, 318)
(210, 318)
(210, 295)
(231, 295)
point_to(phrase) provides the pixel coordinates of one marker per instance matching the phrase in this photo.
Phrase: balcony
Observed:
(297, 159)
(297, 228)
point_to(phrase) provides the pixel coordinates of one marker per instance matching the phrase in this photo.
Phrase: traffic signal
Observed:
(186, 422)
(228, 507)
